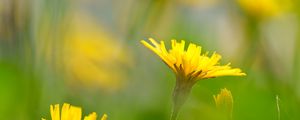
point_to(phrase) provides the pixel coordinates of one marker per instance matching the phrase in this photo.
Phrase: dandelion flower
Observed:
(69, 112)
(189, 65)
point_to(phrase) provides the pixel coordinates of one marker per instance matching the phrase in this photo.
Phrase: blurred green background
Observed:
(88, 53)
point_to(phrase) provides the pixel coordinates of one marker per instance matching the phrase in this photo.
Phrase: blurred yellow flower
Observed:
(224, 101)
(69, 112)
(84, 52)
(94, 56)
(224, 98)
(189, 66)
(264, 8)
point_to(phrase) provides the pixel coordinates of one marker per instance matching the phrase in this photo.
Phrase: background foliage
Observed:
(87, 53)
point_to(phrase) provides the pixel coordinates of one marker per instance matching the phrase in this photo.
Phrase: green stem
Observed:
(174, 114)
(180, 94)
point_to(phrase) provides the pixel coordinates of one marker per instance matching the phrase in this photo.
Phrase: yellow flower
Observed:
(189, 66)
(263, 8)
(224, 101)
(89, 57)
(81, 50)
(69, 112)
(190, 63)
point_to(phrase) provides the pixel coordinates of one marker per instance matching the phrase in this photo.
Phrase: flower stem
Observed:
(174, 114)
(180, 95)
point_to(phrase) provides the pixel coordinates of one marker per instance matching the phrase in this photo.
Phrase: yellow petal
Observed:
(65, 112)
(54, 111)
(104, 117)
(92, 116)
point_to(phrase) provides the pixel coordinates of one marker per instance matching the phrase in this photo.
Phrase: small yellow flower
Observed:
(224, 101)
(190, 63)
(69, 112)
(104, 117)
(224, 98)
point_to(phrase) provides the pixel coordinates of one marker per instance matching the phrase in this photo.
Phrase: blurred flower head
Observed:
(94, 56)
(264, 8)
(69, 112)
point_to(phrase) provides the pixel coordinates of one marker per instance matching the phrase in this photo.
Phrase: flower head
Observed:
(190, 63)
(89, 59)
(69, 112)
